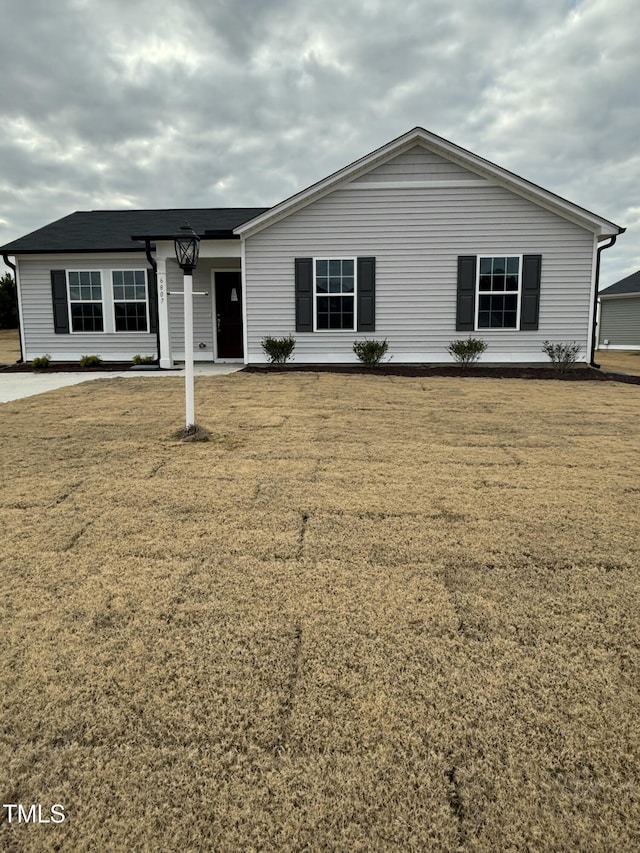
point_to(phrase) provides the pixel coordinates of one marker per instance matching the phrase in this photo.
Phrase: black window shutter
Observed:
(59, 298)
(530, 301)
(304, 294)
(466, 300)
(366, 294)
(152, 290)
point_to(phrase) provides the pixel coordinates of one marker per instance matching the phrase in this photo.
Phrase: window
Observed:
(498, 291)
(100, 300)
(334, 293)
(130, 300)
(85, 301)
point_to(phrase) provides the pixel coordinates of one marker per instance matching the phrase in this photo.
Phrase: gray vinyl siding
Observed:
(37, 311)
(417, 164)
(416, 236)
(203, 306)
(620, 321)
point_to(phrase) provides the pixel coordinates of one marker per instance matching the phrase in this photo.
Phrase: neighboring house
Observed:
(420, 242)
(620, 314)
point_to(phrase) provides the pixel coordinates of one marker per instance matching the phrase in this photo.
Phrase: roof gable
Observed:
(477, 168)
(628, 285)
(416, 164)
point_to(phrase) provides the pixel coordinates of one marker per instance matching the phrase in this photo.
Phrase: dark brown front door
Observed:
(229, 314)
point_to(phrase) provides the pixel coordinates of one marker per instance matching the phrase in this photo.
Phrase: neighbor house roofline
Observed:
(598, 225)
(628, 286)
(603, 295)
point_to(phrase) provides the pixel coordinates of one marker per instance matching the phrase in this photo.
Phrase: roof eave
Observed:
(163, 237)
(96, 250)
(604, 295)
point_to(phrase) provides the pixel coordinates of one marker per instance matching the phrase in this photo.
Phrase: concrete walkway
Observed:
(15, 386)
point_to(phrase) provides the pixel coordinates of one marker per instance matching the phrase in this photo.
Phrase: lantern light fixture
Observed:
(187, 248)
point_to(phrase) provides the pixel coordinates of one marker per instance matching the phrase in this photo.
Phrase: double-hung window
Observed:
(334, 293)
(498, 292)
(85, 301)
(130, 300)
(101, 300)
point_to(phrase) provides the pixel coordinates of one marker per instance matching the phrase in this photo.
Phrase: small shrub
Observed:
(41, 362)
(370, 353)
(90, 361)
(563, 356)
(279, 349)
(467, 351)
(143, 359)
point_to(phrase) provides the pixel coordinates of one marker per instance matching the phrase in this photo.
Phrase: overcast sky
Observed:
(208, 103)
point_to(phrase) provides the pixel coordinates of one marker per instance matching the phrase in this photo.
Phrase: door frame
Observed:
(214, 316)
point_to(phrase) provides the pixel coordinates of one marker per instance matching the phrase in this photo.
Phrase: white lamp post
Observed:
(187, 246)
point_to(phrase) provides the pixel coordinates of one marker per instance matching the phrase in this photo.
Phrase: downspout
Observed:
(5, 258)
(601, 249)
(154, 267)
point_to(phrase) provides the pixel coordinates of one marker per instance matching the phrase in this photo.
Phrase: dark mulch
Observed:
(74, 367)
(579, 374)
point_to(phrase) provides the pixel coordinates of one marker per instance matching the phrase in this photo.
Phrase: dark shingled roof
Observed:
(112, 230)
(630, 284)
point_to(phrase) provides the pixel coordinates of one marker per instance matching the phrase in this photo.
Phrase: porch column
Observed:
(166, 357)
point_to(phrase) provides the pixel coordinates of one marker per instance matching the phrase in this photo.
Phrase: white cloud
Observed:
(159, 104)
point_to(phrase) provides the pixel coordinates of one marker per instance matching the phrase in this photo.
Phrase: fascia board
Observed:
(25, 253)
(89, 254)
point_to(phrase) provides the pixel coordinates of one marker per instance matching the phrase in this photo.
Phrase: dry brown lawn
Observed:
(626, 361)
(372, 614)
(9, 346)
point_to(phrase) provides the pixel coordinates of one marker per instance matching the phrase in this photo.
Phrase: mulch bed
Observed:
(579, 374)
(425, 370)
(74, 367)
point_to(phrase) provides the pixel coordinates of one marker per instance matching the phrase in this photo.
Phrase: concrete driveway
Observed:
(15, 386)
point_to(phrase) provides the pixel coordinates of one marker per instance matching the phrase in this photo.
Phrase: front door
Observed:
(229, 314)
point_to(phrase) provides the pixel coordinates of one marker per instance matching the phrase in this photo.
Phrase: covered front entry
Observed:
(228, 314)
(218, 319)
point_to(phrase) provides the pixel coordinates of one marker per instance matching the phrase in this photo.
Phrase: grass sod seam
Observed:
(381, 613)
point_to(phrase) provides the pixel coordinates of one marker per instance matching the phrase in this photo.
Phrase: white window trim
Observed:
(73, 331)
(108, 301)
(355, 292)
(145, 300)
(515, 328)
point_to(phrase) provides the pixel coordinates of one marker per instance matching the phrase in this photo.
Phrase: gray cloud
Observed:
(159, 104)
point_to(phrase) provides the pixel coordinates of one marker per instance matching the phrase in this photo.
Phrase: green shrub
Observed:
(90, 361)
(279, 349)
(562, 356)
(370, 353)
(41, 362)
(143, 359)
(467, 351)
